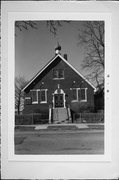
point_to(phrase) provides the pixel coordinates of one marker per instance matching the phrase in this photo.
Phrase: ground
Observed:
(66, 141)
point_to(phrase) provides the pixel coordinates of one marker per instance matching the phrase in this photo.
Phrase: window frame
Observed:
(75, 100)
(78, 99)
(58, 70)
(43, 102)
(62, 72)
(84, 100)
(35, 102)
(27, 98)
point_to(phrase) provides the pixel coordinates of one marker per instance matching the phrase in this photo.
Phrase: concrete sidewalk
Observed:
(62, 126)
(79, 126)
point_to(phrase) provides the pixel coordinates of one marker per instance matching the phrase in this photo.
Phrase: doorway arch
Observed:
(59, 99)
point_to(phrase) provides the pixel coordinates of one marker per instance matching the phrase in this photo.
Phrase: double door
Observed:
(58, 100)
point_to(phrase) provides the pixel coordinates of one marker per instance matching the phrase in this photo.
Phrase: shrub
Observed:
(86, 108)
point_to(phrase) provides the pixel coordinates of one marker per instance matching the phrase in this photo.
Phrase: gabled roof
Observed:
(53, 59)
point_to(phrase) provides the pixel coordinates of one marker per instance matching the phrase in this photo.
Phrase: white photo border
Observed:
(60, 166)
(42, 16)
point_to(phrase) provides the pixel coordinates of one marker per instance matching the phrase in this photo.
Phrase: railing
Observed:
(50, 114)
(69, 114)
(29, 119)
(88, 117)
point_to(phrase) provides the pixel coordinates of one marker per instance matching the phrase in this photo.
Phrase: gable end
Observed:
(40, 73)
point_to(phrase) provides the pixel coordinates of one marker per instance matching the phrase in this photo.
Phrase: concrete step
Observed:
(60, 115)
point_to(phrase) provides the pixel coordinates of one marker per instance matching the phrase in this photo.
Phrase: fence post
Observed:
(32, 119)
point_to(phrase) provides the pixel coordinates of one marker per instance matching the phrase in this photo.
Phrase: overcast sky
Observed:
(35, 47)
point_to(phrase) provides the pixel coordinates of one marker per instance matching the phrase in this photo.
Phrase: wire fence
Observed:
(29, 119)
(43, 118)
(88, 117)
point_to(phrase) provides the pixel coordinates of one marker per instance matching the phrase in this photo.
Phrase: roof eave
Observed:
(39, 72)
(77, 72)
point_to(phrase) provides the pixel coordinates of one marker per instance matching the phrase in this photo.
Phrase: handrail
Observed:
(69, 114)
(50, 114)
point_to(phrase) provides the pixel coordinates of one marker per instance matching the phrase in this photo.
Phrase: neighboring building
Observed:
(99, 98)
(58, 89)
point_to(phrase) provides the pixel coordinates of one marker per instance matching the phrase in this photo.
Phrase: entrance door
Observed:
(58, 100)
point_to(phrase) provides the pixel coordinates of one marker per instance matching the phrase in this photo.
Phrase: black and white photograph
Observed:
(59, 90)
(59, 87)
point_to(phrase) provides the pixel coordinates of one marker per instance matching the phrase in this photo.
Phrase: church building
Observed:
(59, 90)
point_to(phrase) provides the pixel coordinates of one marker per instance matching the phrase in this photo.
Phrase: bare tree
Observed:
(51, 25)
(91, 35)
(25, 25)
(19, 96)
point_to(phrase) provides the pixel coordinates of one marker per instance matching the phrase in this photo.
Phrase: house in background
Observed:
(99, 98)
(59, 90)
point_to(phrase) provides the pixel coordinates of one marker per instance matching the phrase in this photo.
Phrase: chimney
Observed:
(65, 57)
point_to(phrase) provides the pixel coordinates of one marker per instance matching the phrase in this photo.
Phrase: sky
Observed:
(35, 47)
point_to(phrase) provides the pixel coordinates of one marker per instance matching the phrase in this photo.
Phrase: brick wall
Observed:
(45, 81)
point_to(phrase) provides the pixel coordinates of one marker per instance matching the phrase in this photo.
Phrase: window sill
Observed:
(74, 101)
(43, 102)
(27, 98)
(34, 102)
(83, 101)
(79, 101)
(58, 78)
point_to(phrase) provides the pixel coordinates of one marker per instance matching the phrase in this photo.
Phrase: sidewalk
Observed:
(54, 127)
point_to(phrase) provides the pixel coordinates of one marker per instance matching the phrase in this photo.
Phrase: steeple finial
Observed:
(58, 48)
